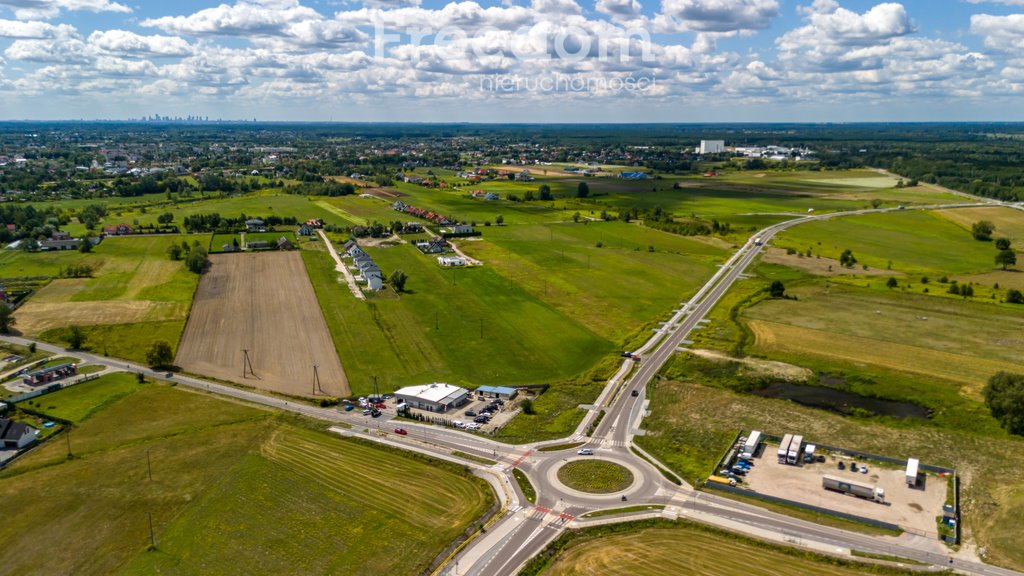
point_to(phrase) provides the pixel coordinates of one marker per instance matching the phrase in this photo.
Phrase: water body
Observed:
(841, 402)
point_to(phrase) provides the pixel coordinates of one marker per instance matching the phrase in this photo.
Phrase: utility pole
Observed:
(436, 325)
(68, 436)
(152, 537)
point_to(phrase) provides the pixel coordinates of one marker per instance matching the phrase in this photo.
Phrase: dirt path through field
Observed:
(340, 267)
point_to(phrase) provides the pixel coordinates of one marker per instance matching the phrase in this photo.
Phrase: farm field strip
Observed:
(263, 303)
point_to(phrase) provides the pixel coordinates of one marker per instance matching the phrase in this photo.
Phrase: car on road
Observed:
(169, 375)
(401, 431)
(585, 452)
(634, 393)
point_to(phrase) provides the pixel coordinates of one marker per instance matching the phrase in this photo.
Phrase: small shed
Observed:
(502, 392)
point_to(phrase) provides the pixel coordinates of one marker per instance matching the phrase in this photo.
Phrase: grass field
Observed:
(134, 281)
(433, 332)
(657, 548)
(915, 242)
(1009, 222)
(235, 490)
(79, 402)
(595, 476)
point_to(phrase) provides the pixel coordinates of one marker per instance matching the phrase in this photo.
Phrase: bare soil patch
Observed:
(263, 303)
(760, 367)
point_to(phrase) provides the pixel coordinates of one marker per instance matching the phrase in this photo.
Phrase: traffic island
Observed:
(595, 476)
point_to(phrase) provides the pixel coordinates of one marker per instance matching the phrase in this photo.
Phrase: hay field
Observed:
(263, 303)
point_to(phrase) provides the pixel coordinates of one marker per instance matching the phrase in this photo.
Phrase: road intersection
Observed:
(522, 529)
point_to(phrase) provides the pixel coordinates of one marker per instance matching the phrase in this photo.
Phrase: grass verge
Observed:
(525, 485)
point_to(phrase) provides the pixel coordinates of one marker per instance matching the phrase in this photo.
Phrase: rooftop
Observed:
(435, 392)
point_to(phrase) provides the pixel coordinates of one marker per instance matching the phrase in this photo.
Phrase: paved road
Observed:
(523, 528)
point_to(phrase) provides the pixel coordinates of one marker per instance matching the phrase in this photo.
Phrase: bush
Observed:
(1004, 396)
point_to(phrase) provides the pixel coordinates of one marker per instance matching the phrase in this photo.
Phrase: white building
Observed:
(436, 397)
(447, 261)
(712, 146)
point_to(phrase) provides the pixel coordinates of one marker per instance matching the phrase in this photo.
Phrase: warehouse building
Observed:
(436, 397)
(502, 392)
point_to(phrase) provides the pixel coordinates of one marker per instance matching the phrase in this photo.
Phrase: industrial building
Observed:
(436, 397)
(502, 392)
(711, 146)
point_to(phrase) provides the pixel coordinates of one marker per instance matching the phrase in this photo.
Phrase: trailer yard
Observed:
(913, 509)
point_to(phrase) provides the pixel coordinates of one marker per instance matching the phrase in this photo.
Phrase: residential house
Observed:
(16, 435)
(450, 261)
(255, 225)
(285, 244)
(60, 240)
(118, 230)
(305, 230)
(230, 248)
(436, 245)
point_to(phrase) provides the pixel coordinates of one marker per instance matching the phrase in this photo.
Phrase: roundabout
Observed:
(595, 476)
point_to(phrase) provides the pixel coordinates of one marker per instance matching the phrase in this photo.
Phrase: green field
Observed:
(77, 403)
(475, 330)
(234, 490)
(660, 547)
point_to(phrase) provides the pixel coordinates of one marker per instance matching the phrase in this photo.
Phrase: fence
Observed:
(50, 388)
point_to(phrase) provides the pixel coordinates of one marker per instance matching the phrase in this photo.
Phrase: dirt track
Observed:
(263, 303)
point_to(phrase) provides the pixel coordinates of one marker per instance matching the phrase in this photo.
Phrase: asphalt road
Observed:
(523, 529)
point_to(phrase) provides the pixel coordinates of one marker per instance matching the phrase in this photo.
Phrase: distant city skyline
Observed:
(685, 61)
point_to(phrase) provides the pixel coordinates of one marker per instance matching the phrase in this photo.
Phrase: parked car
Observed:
(472, 426)
(470, 413)
(480, 419)
(401, 431)
(366, 412)
(841, 466)
(381, 405)
(499, 402)
(375, 413)
(585, 452)
(350, 407)
(626, 354)
(821, 458)
(459, 424)
(863, 469)
(853, 467)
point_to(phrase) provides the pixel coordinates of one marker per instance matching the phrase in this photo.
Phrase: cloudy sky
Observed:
(514, 60)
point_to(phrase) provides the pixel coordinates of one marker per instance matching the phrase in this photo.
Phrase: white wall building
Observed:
(712, 146)
(436, 397)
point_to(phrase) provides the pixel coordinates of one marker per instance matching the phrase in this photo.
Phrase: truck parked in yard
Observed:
(793, 455)
(784, 448)
(750, 446)
(912, 469)
(858, 489)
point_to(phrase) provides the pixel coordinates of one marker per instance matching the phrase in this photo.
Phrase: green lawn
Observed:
(234, 490)
(433, 332)
(81, 401)
(595, 476)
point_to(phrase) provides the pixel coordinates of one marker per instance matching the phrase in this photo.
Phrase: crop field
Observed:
(683, 550)
(932, 337)
(133, 281)
(464, 326)
(262, 303)
(1009, 222)
(234, 490)
(915, 242)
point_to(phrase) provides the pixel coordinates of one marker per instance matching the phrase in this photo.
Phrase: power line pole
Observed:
(68, 437)
(152, 537)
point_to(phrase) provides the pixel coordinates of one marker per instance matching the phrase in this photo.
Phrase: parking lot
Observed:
(910, 508)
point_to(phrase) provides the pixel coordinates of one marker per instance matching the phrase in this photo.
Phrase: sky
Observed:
(514, 60)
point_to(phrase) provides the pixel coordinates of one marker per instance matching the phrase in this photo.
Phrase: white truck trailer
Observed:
(793, 455)
(784, 448)
(858, 489)
(750, 446)
(912, 469)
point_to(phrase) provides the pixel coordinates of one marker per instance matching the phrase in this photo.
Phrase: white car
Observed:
(472, 426)
(585, 452)
(459, 424)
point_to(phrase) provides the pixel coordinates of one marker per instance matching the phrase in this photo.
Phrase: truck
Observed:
(758, 242)
(722, 480)
(784, 448)
(809, 453)
(793, 455)
(750, 446)
(912, 466)
(858, 489)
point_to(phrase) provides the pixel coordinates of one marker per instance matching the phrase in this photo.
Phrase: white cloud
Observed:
(829, 39)
(37, 30)
(1003, 33)
(624, 9)
(718, 15)
(125, 42)
(240, 19)
(33, 9)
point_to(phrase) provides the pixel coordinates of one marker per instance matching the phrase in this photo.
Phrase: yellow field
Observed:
(970, 371)
(658, 551)
(1009, 222)
(39, 314)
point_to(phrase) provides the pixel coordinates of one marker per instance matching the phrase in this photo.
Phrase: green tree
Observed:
(86, 246)
(982, 230)
(576, 217)
(777, 289)
(847, 258)
(545, 192)
(160, 355)
(954, 288)
(397, 280)
(967, 290)
(1014, 296)
(582, 190)
(6, 318)
(174, 251)
(165, 218)
(891, 282)
(875, 203)
(1006, 258)
(75, 337)
(1004, 396)
(499, 219)
(196, 260)
(1002, 243)
(527, 406)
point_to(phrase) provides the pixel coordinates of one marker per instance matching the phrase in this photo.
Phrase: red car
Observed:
(380, 405)
(401, 431)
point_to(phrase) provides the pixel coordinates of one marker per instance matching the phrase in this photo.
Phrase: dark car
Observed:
(350, 408)
(470, 413)
(634, 393)
(375, 413)
(499, 401)
(841, 466)
(626, 354)
(480, 419)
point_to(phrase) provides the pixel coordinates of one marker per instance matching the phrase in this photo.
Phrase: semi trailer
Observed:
(858, 489)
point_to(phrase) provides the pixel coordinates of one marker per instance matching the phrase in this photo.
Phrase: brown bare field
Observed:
(1009, 222)
(263, 303)
(819, 266)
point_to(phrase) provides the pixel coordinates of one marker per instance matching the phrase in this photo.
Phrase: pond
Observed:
(841, 402)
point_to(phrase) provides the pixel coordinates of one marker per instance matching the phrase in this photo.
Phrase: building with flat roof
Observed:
(503, 392)
(436, 397)
(712, 146)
